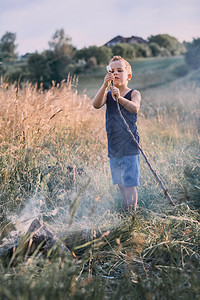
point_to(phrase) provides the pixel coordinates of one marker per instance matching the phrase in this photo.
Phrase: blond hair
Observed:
(127, 65)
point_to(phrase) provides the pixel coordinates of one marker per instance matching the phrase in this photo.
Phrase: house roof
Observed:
(130, 40)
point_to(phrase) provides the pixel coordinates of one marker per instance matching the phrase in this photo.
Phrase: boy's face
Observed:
(121, 76)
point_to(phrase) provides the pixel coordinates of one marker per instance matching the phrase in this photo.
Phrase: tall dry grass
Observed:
(41, 129)
(29, 115)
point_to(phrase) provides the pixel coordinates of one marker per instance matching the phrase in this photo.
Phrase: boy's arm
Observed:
(134, 105)
(100, 98)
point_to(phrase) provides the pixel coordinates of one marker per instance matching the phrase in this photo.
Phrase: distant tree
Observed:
(58, 64)
(168, 42)
(125, 50)
(60, 55)
(102, 54)
(8, 47)
(61, 44)
(192, 56)
(91, 63)
(131, 51)
(39, 69)
(142, 50)
(156, 50)
(54, 63)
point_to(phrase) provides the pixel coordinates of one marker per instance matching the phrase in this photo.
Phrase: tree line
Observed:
(62, 58)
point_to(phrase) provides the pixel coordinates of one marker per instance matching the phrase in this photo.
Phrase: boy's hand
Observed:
(115, 92)
(108, 78)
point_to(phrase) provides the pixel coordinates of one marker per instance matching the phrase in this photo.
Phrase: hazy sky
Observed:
(91, 22)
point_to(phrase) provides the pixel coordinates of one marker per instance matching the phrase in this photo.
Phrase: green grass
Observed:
(154, 256)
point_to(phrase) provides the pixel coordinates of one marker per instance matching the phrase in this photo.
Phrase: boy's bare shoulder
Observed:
(136, 99)
(136, 93)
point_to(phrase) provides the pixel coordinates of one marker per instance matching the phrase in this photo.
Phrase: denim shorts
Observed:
(125, 170)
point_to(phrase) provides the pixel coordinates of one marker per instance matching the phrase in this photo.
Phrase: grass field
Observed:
(54, 167)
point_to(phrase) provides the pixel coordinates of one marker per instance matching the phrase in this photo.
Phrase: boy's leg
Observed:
(123, 194)
(130, 179)
(129, 197)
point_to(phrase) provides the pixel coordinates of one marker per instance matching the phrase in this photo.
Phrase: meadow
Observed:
(54, 167)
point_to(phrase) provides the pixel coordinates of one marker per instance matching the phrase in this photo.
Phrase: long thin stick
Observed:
(148, 163)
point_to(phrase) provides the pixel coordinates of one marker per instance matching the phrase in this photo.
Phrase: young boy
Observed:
(122, 150)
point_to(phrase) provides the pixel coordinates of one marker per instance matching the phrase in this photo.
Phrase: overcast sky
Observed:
(91, 22)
